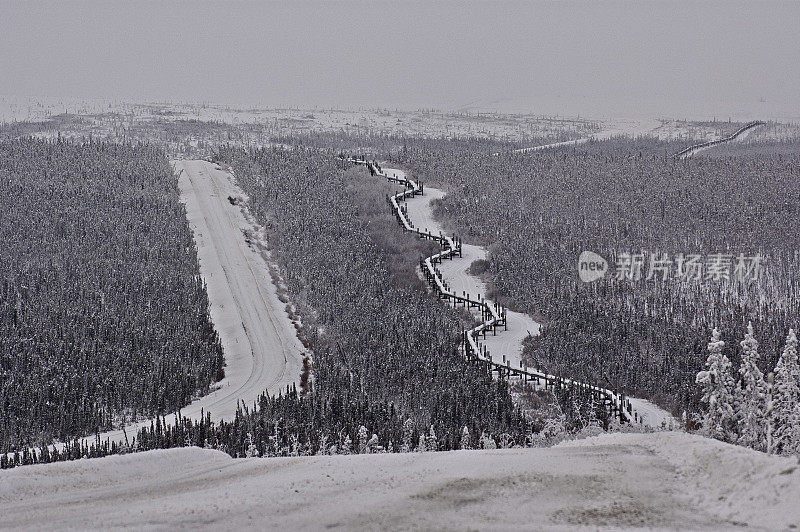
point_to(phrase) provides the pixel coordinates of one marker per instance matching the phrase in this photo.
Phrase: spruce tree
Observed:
(432, 442)
(307, 375)
(408, 436)
(363, 434)
(421, 448)
(373, 444)
(770, 426)
(751, 413)
(719, 421)
(464, 438)
(252, 450)
(347, 445)
(323, 445)
(786, 394)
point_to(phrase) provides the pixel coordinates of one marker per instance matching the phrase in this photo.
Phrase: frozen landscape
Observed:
(651, 481)
(399, 267)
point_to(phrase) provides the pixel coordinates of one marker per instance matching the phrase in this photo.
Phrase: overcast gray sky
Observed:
(590, 58)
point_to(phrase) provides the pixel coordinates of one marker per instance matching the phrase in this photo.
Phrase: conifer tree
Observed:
(323, 445)
(770, 425)
(432, 442)
(464, 438)
(751, 413)
(372, 444)
(347, 445)
(719, 421)
(408, 436)
(487, 442)
(307, 375)
(363, 434)
(786, 394)
(252, 450)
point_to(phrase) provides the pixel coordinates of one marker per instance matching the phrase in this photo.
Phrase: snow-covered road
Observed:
(641, 481)
(262, 351)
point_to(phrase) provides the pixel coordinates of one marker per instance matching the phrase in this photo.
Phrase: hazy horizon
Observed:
(678, 59)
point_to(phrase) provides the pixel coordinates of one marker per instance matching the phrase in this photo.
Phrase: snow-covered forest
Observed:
(385, 354)
(746, 407)
(646, 337)
(379, 341)
(382, 371)
(107, 338)
(103, 315)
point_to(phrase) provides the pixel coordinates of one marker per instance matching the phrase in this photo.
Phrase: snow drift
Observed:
(661, 480)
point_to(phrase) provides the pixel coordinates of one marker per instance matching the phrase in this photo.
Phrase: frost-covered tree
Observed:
(408, 436)
(372, 444)
(786, 393)
(307, 375)
(555, 424)
(363, 435)
(751, 412)
(421, 448)
(432, 442)
(719, 421)
(323, 445)
(252, 450)
(347, 445)
(770, 425)
(576, 410)
(791, 443)
(464, 444)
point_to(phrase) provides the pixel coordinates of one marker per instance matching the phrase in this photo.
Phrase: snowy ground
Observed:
(107, 119)
(609, 129)
(663, 129)
(654, 481)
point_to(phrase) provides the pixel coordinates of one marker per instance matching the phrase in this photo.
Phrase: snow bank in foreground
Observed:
(662, 480)
(740, 485)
